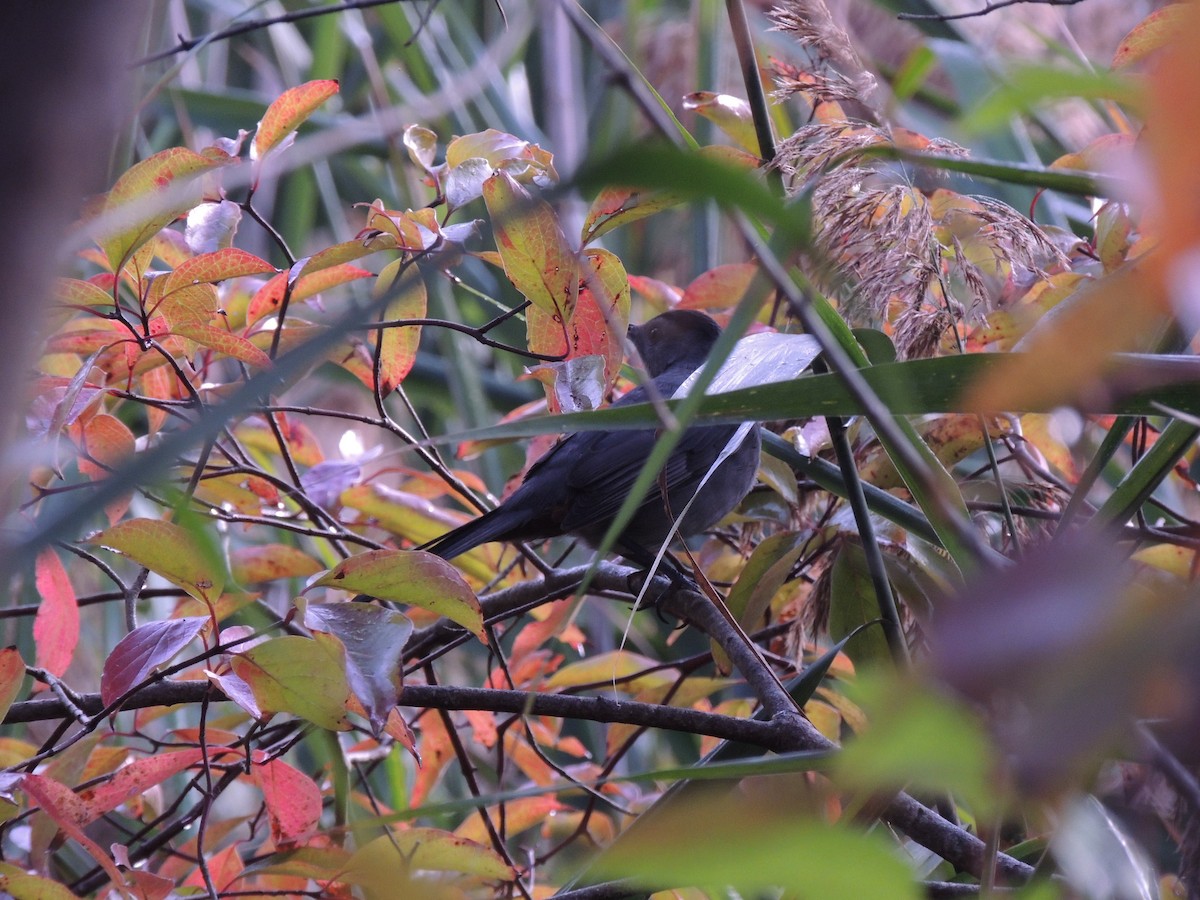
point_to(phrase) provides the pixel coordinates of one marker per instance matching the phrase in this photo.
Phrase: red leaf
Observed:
(135, 779)
(293, 800)
(56, 626)
(143, 650)
(69, 813)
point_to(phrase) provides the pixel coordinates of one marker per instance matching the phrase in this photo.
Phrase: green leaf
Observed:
(178, 554)
(1149, 471)
(1030, 87)
(921, 741)
(297, 675)
(537, 258)
(132, 208)
(731, 114)
(730, 841)
(374, 639)
(853, 604)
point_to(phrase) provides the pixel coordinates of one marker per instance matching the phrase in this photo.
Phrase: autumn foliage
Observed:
(959, 606)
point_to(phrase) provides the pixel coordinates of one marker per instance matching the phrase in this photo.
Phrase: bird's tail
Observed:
(495, 525)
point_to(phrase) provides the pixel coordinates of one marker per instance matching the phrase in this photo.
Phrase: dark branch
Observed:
(186, 44)
(991, 7)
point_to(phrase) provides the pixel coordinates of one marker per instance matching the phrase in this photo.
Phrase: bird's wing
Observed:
(609, 462)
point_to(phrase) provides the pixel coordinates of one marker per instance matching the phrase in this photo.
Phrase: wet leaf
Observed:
(374, 639)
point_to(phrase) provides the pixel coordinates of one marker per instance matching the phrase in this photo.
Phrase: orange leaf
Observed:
(719, 288)
(288, 111)
(108, 442)
(12, 676)
(56, 626)
(398, 346)
(269, 298)
(270, 562)
(224, 342)
(219, 265)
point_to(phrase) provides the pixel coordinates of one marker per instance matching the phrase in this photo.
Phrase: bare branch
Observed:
(990, 7)
(186, 44)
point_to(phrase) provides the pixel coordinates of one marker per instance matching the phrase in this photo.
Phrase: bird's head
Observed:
(675, 338)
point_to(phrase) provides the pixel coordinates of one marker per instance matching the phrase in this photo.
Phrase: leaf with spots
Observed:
(147, 198)
(537, 258)
(224, 342)
(293, 800)
(413, 577)
(209, 268)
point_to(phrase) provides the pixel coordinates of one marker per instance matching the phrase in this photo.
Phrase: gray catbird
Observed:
(577, 487)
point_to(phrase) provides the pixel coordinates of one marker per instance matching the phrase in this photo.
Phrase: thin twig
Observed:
(989, 8)
(186, 44)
